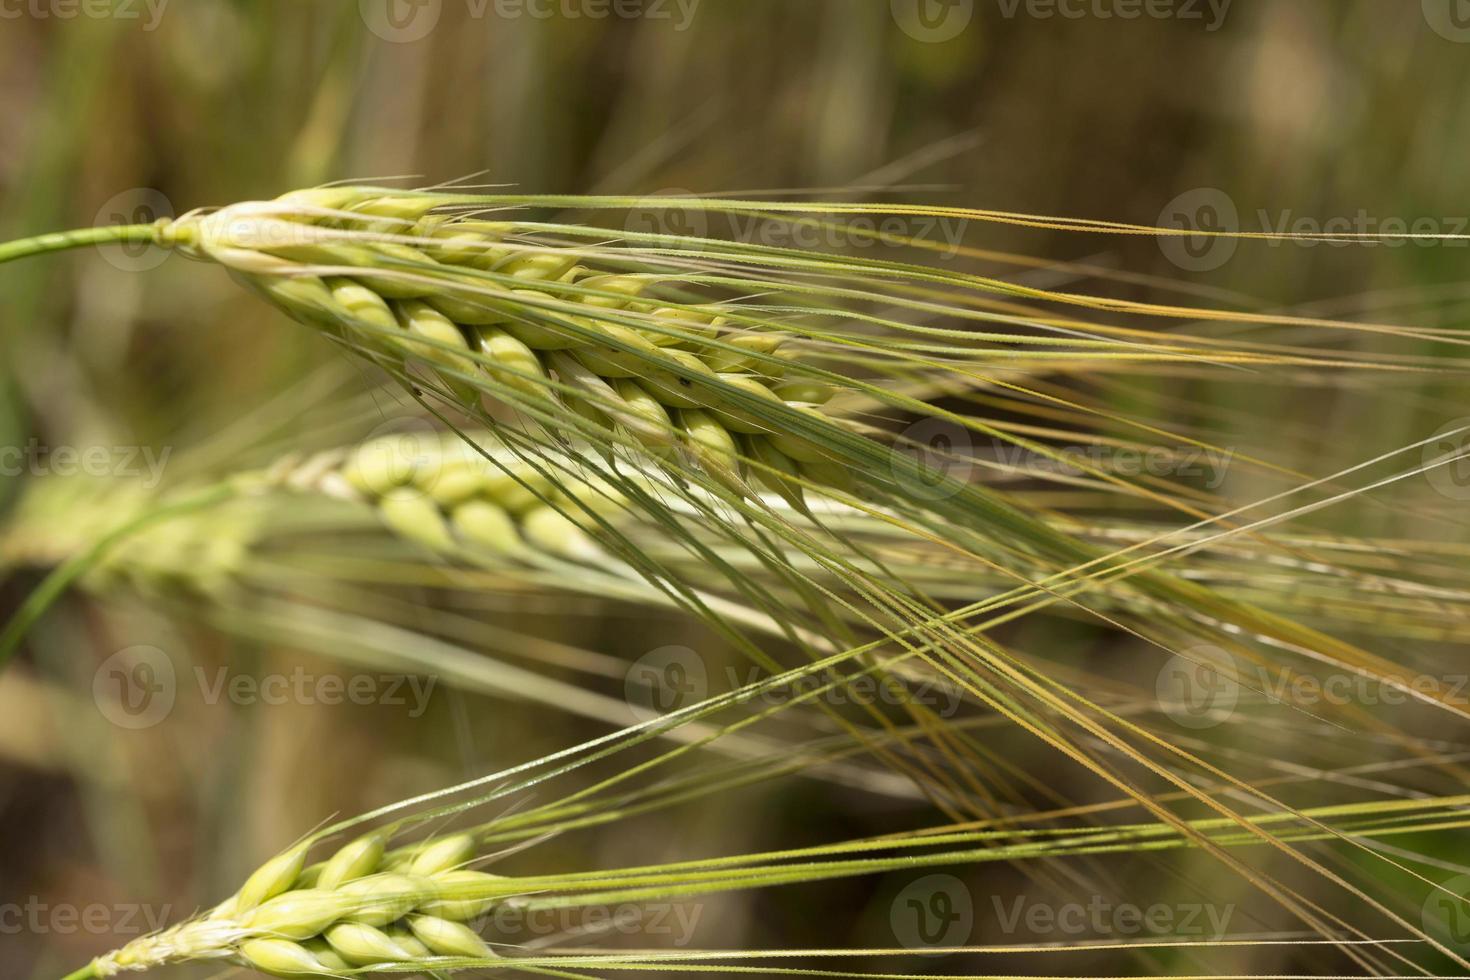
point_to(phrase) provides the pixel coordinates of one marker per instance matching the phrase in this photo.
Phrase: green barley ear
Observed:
(487, 309)
(354, 860)
(413, 514)
(298, 914)
(283, 958)
(451, 884)
(448, 938)
(443, 854)
(381, 898)
(363, 945)
(271, 878)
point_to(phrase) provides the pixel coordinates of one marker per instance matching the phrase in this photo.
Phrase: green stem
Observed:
(61, 240)
(88, 972)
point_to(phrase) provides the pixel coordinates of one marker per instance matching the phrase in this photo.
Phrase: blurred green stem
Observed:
(56, 583)
(59, 241)
(88, 972)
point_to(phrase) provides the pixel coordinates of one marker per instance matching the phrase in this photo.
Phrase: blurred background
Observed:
(1246, 116)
